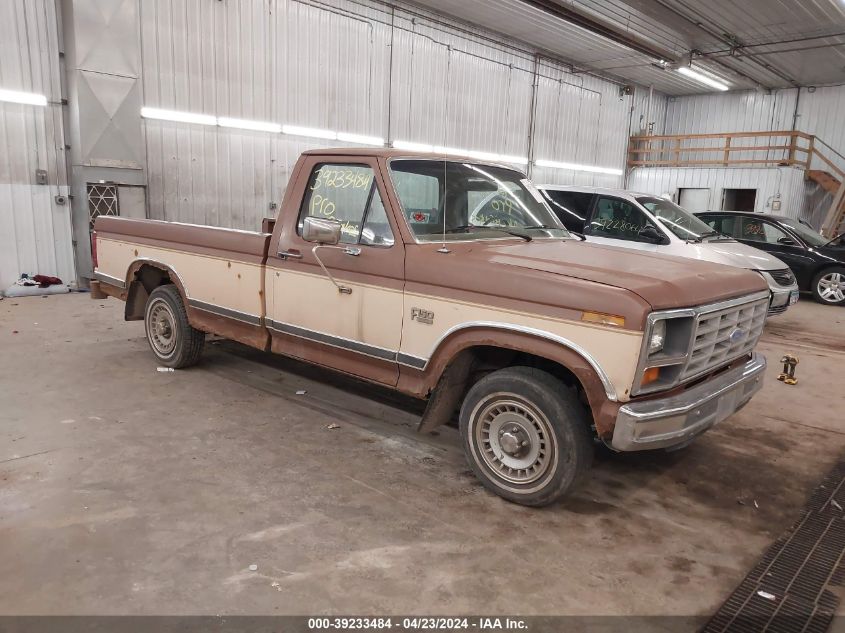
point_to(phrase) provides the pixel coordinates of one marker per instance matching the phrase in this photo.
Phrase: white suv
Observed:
(650, 223)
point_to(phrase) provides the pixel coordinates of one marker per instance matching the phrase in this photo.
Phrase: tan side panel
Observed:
(371, 314)
(226, 283)
(616, 351)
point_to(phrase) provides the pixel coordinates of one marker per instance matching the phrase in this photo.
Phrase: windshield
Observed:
(457, 201)
(681, 222)
(805, 232)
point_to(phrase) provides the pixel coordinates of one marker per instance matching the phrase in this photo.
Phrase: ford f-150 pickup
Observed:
(541, 343)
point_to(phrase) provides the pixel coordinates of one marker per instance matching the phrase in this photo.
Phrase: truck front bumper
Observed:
(675, 420)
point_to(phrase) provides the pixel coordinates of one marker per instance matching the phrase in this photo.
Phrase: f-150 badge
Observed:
(422, 316)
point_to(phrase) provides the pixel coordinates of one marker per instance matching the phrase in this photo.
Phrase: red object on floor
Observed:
(44, 281)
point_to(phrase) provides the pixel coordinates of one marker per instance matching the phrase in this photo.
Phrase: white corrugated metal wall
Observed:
(35, 232)
(359, 67)
(818, 112)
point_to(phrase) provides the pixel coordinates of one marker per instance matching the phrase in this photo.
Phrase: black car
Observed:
(818, 263)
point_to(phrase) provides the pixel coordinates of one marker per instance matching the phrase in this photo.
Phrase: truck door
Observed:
(355, 328)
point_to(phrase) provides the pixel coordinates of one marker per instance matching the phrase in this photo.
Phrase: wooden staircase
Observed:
(749, 149)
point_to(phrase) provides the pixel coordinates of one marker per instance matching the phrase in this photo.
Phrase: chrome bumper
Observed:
(676, 420)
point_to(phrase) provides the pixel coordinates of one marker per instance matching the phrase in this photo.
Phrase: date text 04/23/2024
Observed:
(417, 623)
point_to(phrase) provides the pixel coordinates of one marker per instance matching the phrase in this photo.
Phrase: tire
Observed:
(829, 286)
(541, 445)
(173, 341)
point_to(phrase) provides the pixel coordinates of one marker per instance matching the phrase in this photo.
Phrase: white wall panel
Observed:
(780, 183)
(390, 71)
(35, 232)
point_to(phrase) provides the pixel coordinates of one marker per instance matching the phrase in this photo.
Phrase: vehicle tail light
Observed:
(94, 248)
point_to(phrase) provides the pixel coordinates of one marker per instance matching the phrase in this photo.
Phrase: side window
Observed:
(722, 223)
(420, 195)
(618, 219)
(348, 194)
(571, 207)
(757, 230)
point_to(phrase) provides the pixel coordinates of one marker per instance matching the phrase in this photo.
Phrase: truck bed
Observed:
(220, 272)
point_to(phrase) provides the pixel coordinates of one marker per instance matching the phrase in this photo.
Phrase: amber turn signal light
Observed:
(603, 319)
(650, 375)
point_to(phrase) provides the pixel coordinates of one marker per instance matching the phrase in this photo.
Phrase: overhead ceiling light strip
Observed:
(179, 117)
(454, 151)
(577, 167)
(28, 98)
(702, 78)
(242, 124)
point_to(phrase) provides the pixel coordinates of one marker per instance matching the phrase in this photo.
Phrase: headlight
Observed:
(657, 338)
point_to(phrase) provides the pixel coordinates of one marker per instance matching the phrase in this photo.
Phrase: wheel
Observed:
(525, 435)
(829, 286)
(174, 342)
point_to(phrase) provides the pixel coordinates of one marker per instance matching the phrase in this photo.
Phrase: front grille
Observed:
(782, 277)
(724, 333)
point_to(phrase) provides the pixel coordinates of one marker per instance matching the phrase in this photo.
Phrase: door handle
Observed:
(354, 251)
(290, 254)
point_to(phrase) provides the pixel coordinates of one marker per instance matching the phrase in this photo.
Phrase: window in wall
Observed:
(739, 199)
(348, 194)
(102, 200)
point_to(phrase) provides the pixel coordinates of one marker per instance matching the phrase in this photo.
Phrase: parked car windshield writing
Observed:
(457, 201)
(681, 222)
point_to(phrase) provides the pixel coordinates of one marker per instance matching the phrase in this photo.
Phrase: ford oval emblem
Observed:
(737, 335)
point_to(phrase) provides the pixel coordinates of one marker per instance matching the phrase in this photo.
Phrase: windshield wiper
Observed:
(703, 235)
(527, 238)
(463, 227)
(466, 229)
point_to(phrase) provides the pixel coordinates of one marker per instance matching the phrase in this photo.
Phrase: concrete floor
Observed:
(128, 491)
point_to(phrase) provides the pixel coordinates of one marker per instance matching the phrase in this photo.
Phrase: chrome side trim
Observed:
(333, 341)
(609, 389)
(112, 281)
(252, 319)
(411, 361)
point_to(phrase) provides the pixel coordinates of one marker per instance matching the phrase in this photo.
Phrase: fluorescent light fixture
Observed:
(179, 117)
(575, 167)
(29, 98)
(455, 151)
(701, 78)
(242, 124)
(314, 132)
(413, 147)
(361, 139)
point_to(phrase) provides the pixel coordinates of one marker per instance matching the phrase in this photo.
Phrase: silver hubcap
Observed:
(161, 328)
(832, 287)
(514, 439)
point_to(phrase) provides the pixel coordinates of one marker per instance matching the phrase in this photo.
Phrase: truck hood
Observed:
(574, 275)
(733, 253)
(664, 281)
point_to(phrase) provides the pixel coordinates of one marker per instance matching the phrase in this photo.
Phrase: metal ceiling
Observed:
(762, 44)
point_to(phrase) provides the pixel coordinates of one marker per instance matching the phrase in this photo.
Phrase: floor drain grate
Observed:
(788, 589)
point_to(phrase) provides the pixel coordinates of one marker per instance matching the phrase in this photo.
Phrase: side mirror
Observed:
(786, 241)
(650, 234)
(321, 230)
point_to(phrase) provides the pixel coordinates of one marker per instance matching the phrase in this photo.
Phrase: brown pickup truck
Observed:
(542, 344)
